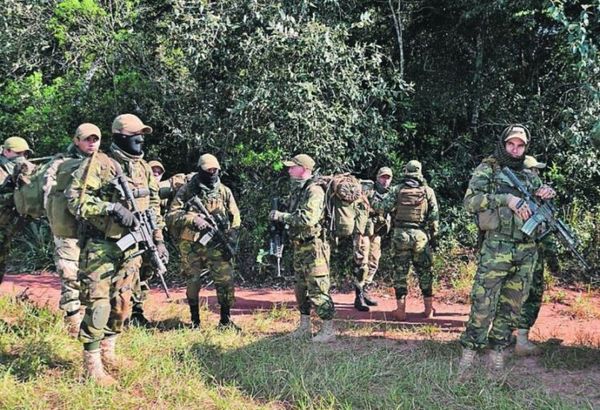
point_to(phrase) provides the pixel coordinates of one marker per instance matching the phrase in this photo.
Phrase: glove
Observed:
(123, 216)
(545, 192)
(200, 223)
(519, 207)
(163, 252)
(232, 236)
(433, 243)
(277, 216)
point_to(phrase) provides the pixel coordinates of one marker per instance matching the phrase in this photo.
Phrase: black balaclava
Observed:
(131, 144)
(503, 157)
(208, 179)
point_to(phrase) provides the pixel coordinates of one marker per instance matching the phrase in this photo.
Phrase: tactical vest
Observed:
(8, 214)
(62, 222)
(411, 206)
(297, 200)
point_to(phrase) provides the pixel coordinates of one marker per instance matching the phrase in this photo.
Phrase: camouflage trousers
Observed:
(195, 260)
(310, 261)
(106, 275)
(140, 285)
(9, 226)
(367, 252)
(532, 305)
(411, 246)
(500, 287)
(66, 260)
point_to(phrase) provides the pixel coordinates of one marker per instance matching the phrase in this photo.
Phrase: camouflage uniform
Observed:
(195, 257)
(65, 230)
(106, 273)
(506, 259)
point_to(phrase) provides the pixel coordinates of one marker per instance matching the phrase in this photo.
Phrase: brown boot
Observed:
(400, 312)
(326, 334)
(109, 357)
(94, 369)
(524, 347)
(72, 323)
(429, 310)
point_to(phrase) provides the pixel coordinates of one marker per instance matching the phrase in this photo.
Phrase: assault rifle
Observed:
(276, 237)
(543, 214)
(215, 229)
(143, 233)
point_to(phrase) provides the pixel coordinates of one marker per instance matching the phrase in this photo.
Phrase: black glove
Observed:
(163, 252)
(233, 235)
(122, 215)
(433, 244)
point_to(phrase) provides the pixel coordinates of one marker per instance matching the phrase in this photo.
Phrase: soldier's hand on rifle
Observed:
(519, 207)
(545, 192)
(123, 216)
(200, 223)
(163, 252)
(277, 216)
(233, 236)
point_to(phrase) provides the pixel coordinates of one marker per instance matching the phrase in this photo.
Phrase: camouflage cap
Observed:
(516, 131)
(531, 162)
(208, 161)
(16, 144)
(87, 130)
(413, 167)
(303, 160)
(156, 164)
(131, 124)
(385, 171)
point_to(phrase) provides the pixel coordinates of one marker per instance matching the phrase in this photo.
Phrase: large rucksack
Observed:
(31, 192)
(347, 207)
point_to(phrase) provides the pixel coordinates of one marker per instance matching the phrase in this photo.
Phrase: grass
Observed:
(583, 307)
(40, 367)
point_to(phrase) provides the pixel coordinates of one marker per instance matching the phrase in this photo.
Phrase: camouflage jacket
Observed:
(169, 188)
(93, 188)
(377, 224)
(306, 210)
(8, 213)
(219, 202)
(487, 198)
(432, 214)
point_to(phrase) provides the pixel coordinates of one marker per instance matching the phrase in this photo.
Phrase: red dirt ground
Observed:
(556, 320)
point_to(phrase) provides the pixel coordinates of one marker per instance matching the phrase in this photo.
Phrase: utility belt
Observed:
(303, 241)
(408, 225)
(495, 236)
(89, 231)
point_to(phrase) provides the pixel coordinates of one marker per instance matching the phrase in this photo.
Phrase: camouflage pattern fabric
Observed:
(367, 252)
(195, 258)
(140, 283)
(106, 276)
(66, 260)
(411, 246)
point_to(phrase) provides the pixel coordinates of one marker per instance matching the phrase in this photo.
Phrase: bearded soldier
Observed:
(507, 256)
(416, 224)
(367, 246)
(190, 226)
(311, 251)
(13, 165)
(63, 224)
(106, 272)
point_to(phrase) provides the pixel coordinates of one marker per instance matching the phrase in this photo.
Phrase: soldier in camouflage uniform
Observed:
(306, 210)
(367, 246)
(63, 224)
(189, 226)
(547, 252)
(106, 273)
(12, 160)
(507, 256)
(416, 223)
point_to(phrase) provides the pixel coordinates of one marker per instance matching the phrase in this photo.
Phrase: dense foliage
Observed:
(355, 84)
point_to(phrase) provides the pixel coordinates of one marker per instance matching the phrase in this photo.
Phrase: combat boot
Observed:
(72, 323)
(109, 356)
(400, 312)
(137, 317)
(496, 360)
(226, 323)
(429, 310)
(524, 347)
(466, 361)
(94, 370)
(367, 298)
(303, 331)
(195, 315)
(359, 300)
(326, 334)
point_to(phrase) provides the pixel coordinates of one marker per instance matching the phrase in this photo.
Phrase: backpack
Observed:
(346, 206)
(31, 192)
(411, 205)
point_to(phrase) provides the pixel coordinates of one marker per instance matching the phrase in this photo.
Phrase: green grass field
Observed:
(40, 368)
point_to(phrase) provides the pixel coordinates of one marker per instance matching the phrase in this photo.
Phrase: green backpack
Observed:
(347, 207)
(31, 192)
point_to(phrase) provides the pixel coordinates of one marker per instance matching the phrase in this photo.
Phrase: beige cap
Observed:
(413, 166)
(208, 161)
(131, 124)
(16, 144)
(87, 130)
(517, 132)
(531, 162)
(385, 171)
(303, 160)
(156, 164)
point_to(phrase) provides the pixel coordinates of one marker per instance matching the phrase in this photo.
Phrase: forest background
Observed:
(355, 84)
